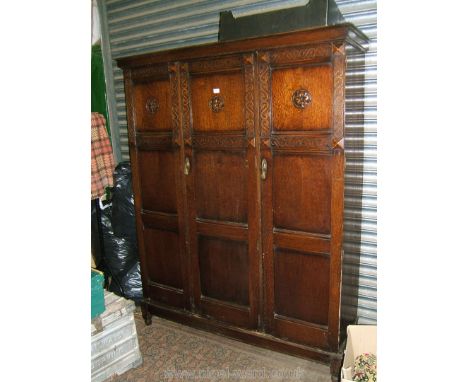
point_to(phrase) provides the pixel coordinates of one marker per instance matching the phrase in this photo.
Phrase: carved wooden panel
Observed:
(157, 180)
(164, 263)
(302, 285)
(318, 82)
(220, 186)
(302, 192)
(152, 103)
(224, 269)
(208, 115)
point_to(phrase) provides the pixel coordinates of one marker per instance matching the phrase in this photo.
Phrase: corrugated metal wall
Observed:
(134, 27)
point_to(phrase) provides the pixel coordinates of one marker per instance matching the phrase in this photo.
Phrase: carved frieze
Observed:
(339, 67)
(219, 141)
(150, 141)
(175, 115)
(249, 94)
(148, 72)
(303, 53)
(294, 142)
(264, 76)
(184, 89)
(204, 66)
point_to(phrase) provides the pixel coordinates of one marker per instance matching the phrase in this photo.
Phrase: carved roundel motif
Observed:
(216, 103)
(152, 105)
(301, 99)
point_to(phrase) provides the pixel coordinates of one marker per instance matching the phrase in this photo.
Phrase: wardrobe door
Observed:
(222, 187)
(154, 138)
(301, 194)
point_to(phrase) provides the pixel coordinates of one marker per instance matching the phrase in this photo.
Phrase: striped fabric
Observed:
(102, 160)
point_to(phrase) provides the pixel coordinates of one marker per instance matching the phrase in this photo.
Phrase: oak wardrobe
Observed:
(237, 152)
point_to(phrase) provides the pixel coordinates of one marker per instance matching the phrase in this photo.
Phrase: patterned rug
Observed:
(173, 352)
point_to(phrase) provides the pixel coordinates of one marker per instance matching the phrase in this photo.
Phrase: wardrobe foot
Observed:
(146, 314)
(335, 367)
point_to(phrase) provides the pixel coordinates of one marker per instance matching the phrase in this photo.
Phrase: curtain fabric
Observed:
(102, 158)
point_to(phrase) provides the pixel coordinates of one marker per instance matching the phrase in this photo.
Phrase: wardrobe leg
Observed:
(146, 313)
(335, 367)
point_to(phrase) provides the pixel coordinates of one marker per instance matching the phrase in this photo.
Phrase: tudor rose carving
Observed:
(216, 103)
(301, 98)
(152, 105)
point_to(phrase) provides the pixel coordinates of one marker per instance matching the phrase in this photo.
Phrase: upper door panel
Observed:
(152, 99)
(302, 98)
(217, 102)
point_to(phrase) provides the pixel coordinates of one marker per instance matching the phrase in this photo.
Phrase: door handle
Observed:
(187, 166)
(264, 170)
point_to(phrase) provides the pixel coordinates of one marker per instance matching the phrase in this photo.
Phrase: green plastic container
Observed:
(97, 293)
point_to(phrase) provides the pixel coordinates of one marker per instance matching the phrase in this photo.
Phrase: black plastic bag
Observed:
(123, 206)
(95, 241)
(118, 252)
(131, 283)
